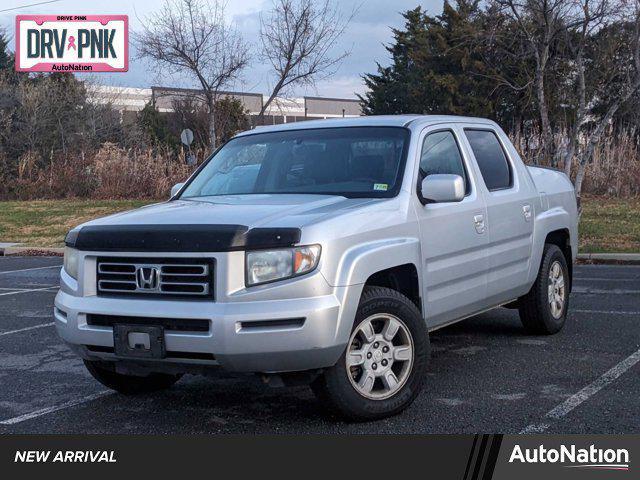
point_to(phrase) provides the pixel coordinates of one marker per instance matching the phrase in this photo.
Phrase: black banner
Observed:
(459, 457)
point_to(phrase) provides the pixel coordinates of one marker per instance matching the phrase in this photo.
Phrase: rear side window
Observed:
(440, 154)
(491, 159)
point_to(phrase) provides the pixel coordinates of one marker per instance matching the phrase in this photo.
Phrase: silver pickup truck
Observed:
(322, 251)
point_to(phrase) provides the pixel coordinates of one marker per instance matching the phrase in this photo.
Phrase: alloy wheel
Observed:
(380, 356)
(556, 289)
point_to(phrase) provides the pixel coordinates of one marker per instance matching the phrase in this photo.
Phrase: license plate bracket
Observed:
(139, 341)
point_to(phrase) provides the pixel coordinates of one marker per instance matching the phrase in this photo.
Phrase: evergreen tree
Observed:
(436, 66)
(154, 124)
(6, 58)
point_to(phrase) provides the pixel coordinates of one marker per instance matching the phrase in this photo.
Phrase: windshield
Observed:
(347, 161)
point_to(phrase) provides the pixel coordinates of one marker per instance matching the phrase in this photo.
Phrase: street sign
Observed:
(186, 136)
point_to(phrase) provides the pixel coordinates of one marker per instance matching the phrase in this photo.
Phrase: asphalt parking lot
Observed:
(486, 375)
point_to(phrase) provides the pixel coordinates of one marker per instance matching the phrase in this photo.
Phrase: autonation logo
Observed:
(588, 458)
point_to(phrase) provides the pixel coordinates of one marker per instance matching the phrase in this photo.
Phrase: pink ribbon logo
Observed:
(72, 43)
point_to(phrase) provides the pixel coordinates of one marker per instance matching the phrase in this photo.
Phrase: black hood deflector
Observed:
(179, 238)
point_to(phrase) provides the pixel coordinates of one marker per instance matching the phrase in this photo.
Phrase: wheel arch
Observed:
(553, 226)
(401, 278)
(562, 239)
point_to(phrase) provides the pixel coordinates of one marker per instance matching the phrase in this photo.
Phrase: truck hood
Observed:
(265, 210)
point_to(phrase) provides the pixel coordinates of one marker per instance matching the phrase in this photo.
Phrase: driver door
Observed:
(454, 236)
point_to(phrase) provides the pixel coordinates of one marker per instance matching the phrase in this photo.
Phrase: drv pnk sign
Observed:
(72, 43)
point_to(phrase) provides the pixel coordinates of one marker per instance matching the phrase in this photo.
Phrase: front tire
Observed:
(382, 369)
(129, 384)
(543, 311)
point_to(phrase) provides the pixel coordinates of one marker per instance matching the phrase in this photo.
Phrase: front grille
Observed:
(162, 277)
(169, 324)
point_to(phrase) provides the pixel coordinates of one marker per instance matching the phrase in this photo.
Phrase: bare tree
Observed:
(541, 22)
(566, 29)
(297, 38)
(192, 35)
(591, 15)
(626, 70)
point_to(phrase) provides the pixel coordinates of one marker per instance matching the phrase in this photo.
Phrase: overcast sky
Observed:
(365, 38)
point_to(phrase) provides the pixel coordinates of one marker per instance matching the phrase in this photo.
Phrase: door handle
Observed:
(526, 211)
(478, 221)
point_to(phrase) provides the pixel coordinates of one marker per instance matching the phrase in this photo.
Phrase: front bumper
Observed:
(316, 338)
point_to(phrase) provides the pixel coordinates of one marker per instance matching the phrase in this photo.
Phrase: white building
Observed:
(281, 110)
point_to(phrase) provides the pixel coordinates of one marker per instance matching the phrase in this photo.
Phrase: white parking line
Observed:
(583, 395)
(27, 291)
(29, 269)
(26, 329)
(55, 408)
(22, 289)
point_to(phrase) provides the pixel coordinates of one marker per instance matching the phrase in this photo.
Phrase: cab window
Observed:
(441, 155)
(492, 161)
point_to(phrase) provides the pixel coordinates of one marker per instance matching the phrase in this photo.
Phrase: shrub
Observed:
(109, 173)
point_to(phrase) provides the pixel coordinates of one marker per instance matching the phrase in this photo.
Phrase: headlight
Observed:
(270, 265)
(71, 256)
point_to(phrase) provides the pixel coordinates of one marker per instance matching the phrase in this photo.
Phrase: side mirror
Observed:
(175, 189)
(441, 188)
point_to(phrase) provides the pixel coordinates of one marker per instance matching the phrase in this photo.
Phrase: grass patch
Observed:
(607, 224)
(610, 225)
(44, 223)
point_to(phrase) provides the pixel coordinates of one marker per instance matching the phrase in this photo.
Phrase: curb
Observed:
(611, 258)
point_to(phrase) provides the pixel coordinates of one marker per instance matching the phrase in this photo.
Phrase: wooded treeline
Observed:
(561, 76)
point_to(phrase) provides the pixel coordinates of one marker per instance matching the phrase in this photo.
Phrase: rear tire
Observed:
(382, 369)
(543, 310)
(129, 384)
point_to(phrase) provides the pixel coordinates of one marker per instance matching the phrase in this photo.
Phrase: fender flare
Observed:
(358, 263)
(548, 221)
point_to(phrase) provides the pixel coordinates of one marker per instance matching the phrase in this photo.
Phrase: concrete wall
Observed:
(164, 98)
(332, 107)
